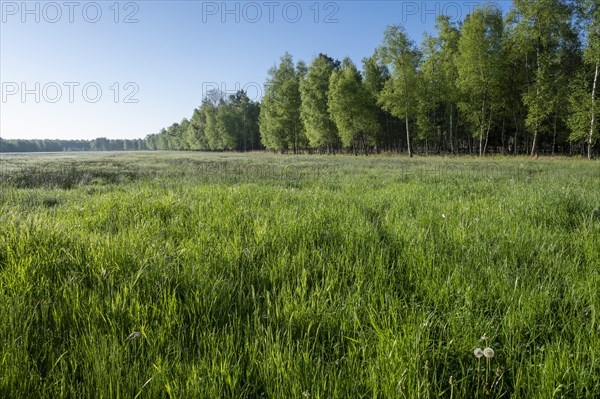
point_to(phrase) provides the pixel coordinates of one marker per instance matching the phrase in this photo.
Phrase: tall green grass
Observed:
(227, 275)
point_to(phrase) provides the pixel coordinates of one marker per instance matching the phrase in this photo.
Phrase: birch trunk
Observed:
(450, 138)
(591, 138)
(408, 134)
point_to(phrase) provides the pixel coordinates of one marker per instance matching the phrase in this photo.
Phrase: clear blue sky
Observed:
(170, 53)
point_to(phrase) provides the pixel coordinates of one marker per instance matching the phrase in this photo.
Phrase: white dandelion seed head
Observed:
(478, 353)
(134, 335)
(488, 352)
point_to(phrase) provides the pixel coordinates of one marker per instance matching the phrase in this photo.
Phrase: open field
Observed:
(226, 275)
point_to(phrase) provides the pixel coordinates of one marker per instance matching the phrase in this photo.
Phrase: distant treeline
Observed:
(99, 144)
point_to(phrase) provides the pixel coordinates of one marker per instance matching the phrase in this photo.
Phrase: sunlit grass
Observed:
(229, 275)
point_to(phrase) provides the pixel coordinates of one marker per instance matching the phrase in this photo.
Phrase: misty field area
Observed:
(184, 275)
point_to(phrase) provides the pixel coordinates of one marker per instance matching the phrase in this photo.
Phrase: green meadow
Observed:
(189, 275)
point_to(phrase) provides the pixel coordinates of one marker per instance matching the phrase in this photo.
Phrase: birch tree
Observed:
(321, 130)
(279, 120)
(350, 108)
(541, 29)
(479, 62)
(399, 94)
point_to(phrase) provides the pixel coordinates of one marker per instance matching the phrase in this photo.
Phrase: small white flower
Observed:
(478, 353)
(488, 352)
(81, 209)
(444, 215)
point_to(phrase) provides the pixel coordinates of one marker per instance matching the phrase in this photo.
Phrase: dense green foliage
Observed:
(321, 130)
(356, 123)
(280, 124)
(479, 64)
(399, 94)
(227, 275)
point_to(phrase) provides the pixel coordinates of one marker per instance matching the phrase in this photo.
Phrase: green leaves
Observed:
(280, 124)
(321, 130)
(545, 33)
(350, 108)
(401, 56)
(399, 94)
(479, 64)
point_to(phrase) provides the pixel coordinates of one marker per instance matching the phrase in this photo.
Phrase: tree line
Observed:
(521, 83)
(220, 123)
(59, 145)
